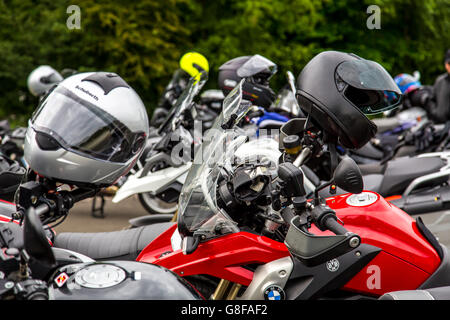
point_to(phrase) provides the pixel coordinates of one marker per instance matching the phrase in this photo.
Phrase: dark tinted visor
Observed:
(368, 86)
(82, 127)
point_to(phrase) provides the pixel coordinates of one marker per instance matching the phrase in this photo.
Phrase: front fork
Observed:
(274, 274)
(226, 290)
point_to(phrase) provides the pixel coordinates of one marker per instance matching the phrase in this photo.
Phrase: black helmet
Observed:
(339, 89)
(257, 70)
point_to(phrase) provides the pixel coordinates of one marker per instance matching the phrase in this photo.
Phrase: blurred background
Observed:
(143, 40)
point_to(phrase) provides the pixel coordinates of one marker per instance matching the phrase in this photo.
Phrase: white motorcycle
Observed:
(167, 159)
(158, 183)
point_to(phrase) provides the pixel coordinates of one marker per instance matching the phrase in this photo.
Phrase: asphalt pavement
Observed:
(116, 216)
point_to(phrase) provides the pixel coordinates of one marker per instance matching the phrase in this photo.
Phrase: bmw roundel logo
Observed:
(274, 292)
(333, 265)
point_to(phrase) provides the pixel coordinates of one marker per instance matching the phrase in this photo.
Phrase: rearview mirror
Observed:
(348, 177)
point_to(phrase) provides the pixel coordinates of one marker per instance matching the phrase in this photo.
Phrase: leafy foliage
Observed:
(143, 40)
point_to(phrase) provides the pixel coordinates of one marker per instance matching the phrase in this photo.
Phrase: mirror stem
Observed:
(316, 191)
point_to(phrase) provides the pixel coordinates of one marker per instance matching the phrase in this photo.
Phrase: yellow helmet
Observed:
(194, 63)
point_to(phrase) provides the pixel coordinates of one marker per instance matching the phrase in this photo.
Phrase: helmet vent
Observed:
(107, 81)
(46, 142)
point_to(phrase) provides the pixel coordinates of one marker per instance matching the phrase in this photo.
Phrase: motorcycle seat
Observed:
(441, 293)
(372, 168)
(369, 151)
(115, 245)
(394, 177)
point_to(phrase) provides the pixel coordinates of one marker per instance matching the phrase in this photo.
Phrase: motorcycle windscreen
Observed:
(183, 103)
(287, 102)
(83, 128)
(255, 65)
(198, 212)
(368, 86)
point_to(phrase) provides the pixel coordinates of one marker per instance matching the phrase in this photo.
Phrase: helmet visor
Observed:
(255, 65)
(84, 128)
(368, 86)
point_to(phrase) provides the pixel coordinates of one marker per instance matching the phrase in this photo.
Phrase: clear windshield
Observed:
(183, 103)
(286, 101)
(198, 211)
(255, 65)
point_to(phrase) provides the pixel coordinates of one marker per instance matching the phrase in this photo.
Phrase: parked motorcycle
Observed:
(28, 263)
(234, 216)
(229, 237)
(190, 64)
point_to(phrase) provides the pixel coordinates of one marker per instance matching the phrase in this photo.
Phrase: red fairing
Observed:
(223, 257)
(405, 262)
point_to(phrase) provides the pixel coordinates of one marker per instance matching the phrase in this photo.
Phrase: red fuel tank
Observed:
(407, 259)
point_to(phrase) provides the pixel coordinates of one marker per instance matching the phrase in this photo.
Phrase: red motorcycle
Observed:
(252, 253)
(396, 253)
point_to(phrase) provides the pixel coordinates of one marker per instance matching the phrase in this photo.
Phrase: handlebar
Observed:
(65, 202)
(325, 219)
(331, 224)
(306, 152)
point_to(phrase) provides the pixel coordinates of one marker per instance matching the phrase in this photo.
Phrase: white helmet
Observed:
(42, 79)
(89, 130)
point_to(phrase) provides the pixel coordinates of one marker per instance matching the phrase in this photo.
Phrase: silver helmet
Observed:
(42, 79)
(89, 130)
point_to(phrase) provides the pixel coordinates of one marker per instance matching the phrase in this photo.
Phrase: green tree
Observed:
(143, 40)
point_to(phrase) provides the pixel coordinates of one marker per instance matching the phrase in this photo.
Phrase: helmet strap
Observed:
(333, 156)
(331, 142)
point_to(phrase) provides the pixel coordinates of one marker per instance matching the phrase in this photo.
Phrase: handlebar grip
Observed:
(331, 224)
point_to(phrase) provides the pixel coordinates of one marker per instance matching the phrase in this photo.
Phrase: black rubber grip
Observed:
(334, 226)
